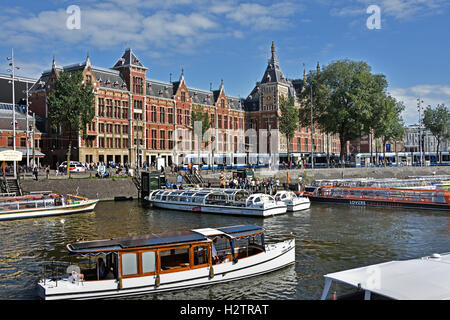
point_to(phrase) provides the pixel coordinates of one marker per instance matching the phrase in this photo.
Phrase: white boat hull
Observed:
(275, 257)
(231, 210)
(82, 206)
(301, 204)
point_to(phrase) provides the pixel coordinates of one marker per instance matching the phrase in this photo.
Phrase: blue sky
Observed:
(230, 40)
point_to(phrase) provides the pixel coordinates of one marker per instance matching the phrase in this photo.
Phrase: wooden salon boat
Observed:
(41, 205)
(221, 201)
(292, 201)
(170, 261)
(383, 197)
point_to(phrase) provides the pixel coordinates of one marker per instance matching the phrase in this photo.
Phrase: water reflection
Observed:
(329, 238)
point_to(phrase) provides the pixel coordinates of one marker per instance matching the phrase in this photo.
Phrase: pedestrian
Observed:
(35, 172)
(47, 171)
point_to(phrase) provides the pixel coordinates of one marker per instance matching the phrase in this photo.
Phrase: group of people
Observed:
(103, 272)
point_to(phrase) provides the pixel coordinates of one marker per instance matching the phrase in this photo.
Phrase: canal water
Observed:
(329, 238)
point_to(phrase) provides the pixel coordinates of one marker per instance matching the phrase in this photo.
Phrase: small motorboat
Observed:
(293, 202)
(154, 263)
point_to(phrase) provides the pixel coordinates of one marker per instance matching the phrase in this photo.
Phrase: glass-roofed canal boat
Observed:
(154, 263)
(221, 201)
(42, 205)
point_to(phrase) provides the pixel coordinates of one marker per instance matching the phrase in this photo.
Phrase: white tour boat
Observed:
(223, 201)
(154, 263)
(293, 202)
(424, 278)
(41, 205)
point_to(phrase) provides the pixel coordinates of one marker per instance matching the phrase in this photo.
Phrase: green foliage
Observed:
(199, 115)
(344, 94)
(438, 122)
(386, 121)
(288, 118)
(71, 103)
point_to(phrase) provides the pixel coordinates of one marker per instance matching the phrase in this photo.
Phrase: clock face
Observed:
(268, 98)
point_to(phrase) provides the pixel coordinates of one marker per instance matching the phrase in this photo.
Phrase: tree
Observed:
(198, 114)
(438, 122)
(386, 121)
(71, 106)
(288, 120)
(343, 96)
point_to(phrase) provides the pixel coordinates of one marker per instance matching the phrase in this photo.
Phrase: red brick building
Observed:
(140, 119)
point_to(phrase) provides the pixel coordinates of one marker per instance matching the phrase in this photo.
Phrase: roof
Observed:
(177, 237)
(417, 279)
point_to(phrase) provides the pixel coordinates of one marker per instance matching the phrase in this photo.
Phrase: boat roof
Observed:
(417, 279)
(168, 238)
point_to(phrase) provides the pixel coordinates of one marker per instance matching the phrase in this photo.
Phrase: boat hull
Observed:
(257, 212)
(381, 203)
(83, 206)
(276, 256)
(298, 206)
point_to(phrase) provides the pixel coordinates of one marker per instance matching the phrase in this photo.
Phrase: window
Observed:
(162, 139)
(129, 264)
(183, 96)
(170, 137)
(187, 121)
(201, 255)
(170, 115)
(153, 114)
(179, 116)
(23, 142)
(162, 115)
(219, 121)
(148, 261)
(174, 258)
(138, 86)
(154, 139)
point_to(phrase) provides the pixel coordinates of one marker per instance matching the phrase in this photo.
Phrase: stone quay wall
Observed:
(105, 189)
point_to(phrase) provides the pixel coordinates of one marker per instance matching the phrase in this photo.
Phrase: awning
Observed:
(24, 152)
(418, 279)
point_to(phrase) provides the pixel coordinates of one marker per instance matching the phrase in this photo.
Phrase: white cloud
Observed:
(398, 9)
(429, 94)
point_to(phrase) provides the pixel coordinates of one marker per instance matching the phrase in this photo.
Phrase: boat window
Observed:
(174, 258)
(258, 199)
(201, 255)
(148, 261)
(129, 264)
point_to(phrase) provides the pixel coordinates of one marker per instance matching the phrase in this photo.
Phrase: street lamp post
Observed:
(419, 108)
(12, 70)
(312, 130)
(27, 94)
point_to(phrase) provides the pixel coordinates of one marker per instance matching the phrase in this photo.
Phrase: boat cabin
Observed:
(285, 195)
(236, 197)
(387, 194)
(154, 254)
(31, 202)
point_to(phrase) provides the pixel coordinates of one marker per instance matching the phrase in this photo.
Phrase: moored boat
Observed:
(41, 205)
(383, 197)
(293, 202)
(154, 263)
(416, 279)
(221, 201)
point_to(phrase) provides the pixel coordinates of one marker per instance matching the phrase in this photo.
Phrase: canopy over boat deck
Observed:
(162, 239)
(417, 279)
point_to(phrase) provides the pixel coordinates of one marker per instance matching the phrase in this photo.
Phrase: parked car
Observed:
(77, 168)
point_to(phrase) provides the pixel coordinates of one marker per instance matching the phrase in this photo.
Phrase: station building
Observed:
(138, 119)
